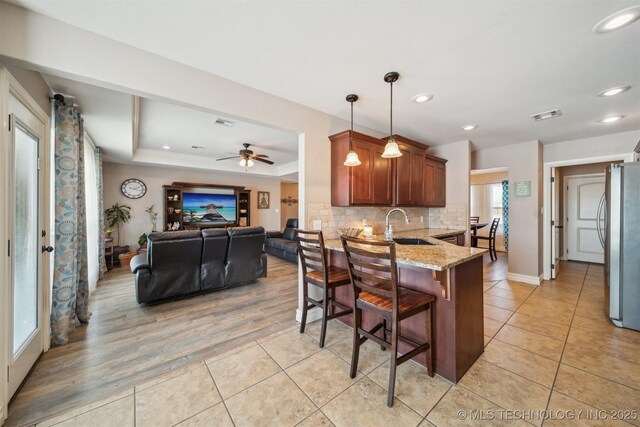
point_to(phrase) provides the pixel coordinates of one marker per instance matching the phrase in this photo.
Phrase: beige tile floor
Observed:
(547, 348)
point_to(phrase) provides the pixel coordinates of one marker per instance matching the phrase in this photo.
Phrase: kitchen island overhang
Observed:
(453, 274)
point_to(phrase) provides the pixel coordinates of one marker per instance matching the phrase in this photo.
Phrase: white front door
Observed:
(582, 197)
(27, 222)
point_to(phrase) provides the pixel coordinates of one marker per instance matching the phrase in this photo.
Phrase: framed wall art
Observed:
(264, 198)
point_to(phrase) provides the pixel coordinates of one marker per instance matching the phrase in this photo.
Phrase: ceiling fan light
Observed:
(246, 163)
(352, 159)
(391, 150)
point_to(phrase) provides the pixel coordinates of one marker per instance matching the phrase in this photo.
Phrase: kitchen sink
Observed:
(411, 241)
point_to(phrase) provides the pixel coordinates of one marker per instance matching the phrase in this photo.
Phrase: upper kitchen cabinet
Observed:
(408, 176)
(414, 179)
(369, 184)
(435, 181)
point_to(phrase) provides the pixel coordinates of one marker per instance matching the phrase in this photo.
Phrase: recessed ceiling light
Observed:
(166, 147)
(614, 90)
(469, 127)
(422, 97)
(611, 119)
(618, 20)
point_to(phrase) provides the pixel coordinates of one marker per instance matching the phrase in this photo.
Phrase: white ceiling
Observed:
(107, 115)
(180, 128)
(491, 63)
(108, 119)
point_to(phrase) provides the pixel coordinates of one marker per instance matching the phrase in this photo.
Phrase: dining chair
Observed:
(374, 280)
(474, 219)
(315, 271)
(491, 238)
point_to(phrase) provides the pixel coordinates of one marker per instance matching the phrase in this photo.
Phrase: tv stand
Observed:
(174, 207)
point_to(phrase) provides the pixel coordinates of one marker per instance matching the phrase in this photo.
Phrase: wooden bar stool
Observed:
(316, 272)
(374, 277)
(491, 238)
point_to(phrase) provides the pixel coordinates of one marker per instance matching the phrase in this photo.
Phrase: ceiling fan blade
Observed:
(264, 156)
(227, 158)
(258, 159)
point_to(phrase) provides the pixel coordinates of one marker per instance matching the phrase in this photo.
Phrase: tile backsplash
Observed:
(334, 218)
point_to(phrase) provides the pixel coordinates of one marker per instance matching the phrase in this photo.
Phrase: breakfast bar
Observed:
(453, 274)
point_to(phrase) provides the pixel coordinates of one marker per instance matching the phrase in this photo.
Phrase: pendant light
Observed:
(391, 150)
(246, 163)
(352, 156)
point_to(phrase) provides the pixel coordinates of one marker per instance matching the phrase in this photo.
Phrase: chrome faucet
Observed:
(388, 228)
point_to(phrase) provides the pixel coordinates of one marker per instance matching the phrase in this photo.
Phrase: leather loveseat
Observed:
(180, 263)
(282, 243)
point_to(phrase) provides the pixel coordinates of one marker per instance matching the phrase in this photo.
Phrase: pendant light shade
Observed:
(246, 163)
(352, 159)
(352, 156)
(391, 150)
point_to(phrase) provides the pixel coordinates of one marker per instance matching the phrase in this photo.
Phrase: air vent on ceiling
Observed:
(546, 115)
(197, 147)
(225, 122)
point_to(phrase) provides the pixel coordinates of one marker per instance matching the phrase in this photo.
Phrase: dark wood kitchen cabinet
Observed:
(365, 185)
(408, 175)
(414, 179)
(434, 174)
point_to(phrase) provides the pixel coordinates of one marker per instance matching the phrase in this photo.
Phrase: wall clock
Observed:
(133, 188)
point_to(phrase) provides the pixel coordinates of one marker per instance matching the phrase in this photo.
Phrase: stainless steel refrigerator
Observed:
(619, 229)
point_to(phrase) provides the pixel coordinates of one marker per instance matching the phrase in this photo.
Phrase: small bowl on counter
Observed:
(350, 232)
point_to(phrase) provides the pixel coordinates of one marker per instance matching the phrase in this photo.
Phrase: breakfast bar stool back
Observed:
(315, 271)
(374, 279)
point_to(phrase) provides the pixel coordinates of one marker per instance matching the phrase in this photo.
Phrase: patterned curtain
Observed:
(505, 213)
(101, 261)
(70, 296)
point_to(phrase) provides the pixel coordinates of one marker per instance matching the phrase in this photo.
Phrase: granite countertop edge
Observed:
(440, 256)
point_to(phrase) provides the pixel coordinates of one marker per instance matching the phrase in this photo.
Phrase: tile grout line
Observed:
(62, 413)
(219, 394)
(484, 398)
(564, 346)
(291, 379)
(514, 312)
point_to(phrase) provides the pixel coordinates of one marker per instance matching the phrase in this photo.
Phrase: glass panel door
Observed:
(25, 251)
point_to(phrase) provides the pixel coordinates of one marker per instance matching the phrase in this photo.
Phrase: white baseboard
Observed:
(531, 280)
(312, 315)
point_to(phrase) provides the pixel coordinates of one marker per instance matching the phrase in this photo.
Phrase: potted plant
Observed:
(107, 232)
(142, 240)
(116, 215)
(153, 216)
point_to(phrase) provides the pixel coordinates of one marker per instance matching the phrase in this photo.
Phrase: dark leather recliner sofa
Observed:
(179, 263)
(282, 243)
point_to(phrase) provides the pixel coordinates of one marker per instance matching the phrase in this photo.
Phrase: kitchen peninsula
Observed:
(453, 274)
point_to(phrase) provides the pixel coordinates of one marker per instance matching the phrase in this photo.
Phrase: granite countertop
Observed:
(439, 256)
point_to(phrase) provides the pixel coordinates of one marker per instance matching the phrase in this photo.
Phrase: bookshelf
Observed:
(244, 207)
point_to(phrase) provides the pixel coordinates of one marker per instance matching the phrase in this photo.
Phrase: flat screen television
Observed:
(203, 208)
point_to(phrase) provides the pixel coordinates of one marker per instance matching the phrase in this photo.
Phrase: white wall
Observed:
(155, 177)
(523, 162)
(33, 83)
(621, 143)
(456, 212)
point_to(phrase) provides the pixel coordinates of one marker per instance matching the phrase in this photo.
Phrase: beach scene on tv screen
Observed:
(208, 208)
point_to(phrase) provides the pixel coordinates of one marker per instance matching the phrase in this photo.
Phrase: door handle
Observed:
(559, 226)
(47, 249)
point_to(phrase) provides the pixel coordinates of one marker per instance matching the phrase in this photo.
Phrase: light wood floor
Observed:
(126, 343)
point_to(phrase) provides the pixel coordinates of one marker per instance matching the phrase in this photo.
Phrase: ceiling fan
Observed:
(247, 157)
